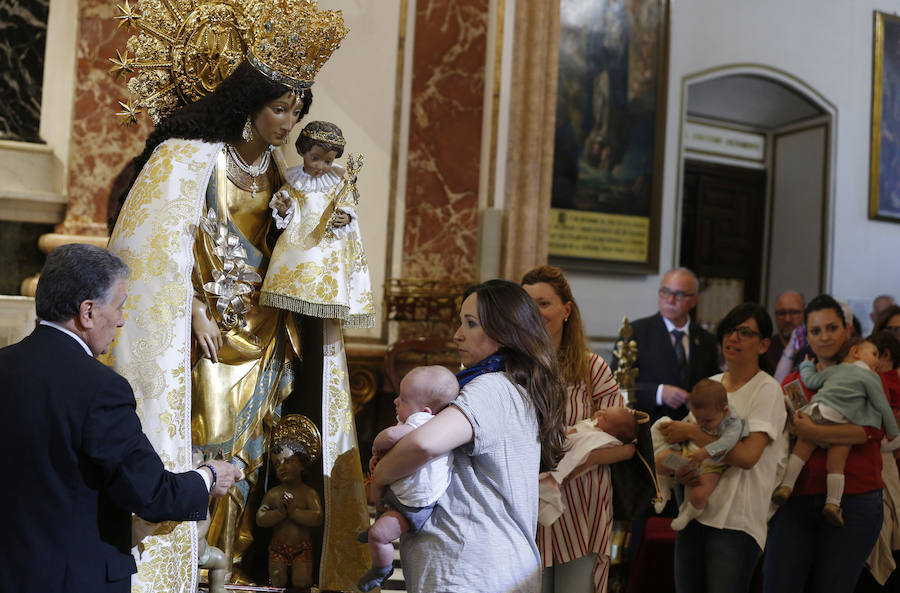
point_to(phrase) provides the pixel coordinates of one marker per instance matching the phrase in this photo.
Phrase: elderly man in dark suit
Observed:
(673, 351)
(78, 464)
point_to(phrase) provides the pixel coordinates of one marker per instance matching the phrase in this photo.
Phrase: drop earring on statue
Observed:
(247, 132)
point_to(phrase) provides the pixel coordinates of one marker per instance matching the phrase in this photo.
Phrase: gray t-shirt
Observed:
(481, 535)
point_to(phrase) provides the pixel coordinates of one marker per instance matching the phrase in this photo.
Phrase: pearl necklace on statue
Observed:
(254, 170)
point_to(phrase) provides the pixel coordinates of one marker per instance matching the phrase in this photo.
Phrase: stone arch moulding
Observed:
(800, 87)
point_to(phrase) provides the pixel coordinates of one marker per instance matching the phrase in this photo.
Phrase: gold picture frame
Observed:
(884, 156)
(606, 199)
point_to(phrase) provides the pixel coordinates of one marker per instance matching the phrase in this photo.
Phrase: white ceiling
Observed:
(751, 101)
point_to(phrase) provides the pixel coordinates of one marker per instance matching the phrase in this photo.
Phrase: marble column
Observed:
(448, 77)
(24, 26)
(532, 113)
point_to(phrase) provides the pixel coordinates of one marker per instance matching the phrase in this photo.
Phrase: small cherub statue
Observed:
(209, 557)
(292, 507)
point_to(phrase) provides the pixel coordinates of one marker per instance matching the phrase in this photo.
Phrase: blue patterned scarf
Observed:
(491, 364)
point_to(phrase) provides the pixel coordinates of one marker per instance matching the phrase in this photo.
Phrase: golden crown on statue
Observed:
(297, 429)
(182, 50)
(326, 137)
(292, 40)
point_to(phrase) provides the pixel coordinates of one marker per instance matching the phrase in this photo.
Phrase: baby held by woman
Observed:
(710, 411)
(424, 392)
(850, 392)
(609, 427)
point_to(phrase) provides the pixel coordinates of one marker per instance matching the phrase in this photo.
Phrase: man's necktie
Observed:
(681, 358)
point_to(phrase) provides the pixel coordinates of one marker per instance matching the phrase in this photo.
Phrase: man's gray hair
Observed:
(73, 274)
(688, 272)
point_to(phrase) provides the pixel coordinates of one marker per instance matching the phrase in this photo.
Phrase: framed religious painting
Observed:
(608, 145)
(884, 155)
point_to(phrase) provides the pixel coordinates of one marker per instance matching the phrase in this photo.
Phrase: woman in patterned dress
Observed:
(575, 548)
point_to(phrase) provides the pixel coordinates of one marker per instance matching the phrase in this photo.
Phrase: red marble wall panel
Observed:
(100, 146)
(448, 72)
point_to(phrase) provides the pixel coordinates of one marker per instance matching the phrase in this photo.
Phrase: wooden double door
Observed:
(723, 224)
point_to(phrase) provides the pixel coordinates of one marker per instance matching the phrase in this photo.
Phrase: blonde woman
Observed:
(575, 549)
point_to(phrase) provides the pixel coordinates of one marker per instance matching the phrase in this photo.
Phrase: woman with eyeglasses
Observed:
(802, 546)
(719, 550)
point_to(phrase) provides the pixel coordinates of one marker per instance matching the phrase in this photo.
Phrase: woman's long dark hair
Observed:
(739, 315)
(217, 117)
(510, 318)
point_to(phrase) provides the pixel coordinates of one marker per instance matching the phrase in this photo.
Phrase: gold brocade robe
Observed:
(158, 234)
(317, 270)
(234, 401)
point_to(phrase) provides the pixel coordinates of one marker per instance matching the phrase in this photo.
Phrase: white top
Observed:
(741, 500)
(429, 482)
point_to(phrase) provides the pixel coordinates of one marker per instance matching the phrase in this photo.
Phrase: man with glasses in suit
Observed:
(673, 351)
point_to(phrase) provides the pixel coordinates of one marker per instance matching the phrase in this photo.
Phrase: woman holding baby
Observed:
(505, 427)
(575, 548)
(719, 550)
(804, 550)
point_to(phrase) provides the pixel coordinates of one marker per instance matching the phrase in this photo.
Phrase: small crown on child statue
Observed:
(296, 429)
(292, 40)
(328, 137)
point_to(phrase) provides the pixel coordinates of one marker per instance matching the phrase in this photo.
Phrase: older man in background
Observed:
(788, 316)
(673, 351)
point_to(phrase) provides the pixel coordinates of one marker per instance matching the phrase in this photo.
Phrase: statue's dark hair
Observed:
(304, 143)
(218, 117)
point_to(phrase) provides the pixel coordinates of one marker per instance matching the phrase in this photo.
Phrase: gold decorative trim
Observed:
(177, 58)
(363, 385)
(877, 115)
(626, 353)
(50, 241)
(297, 429)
